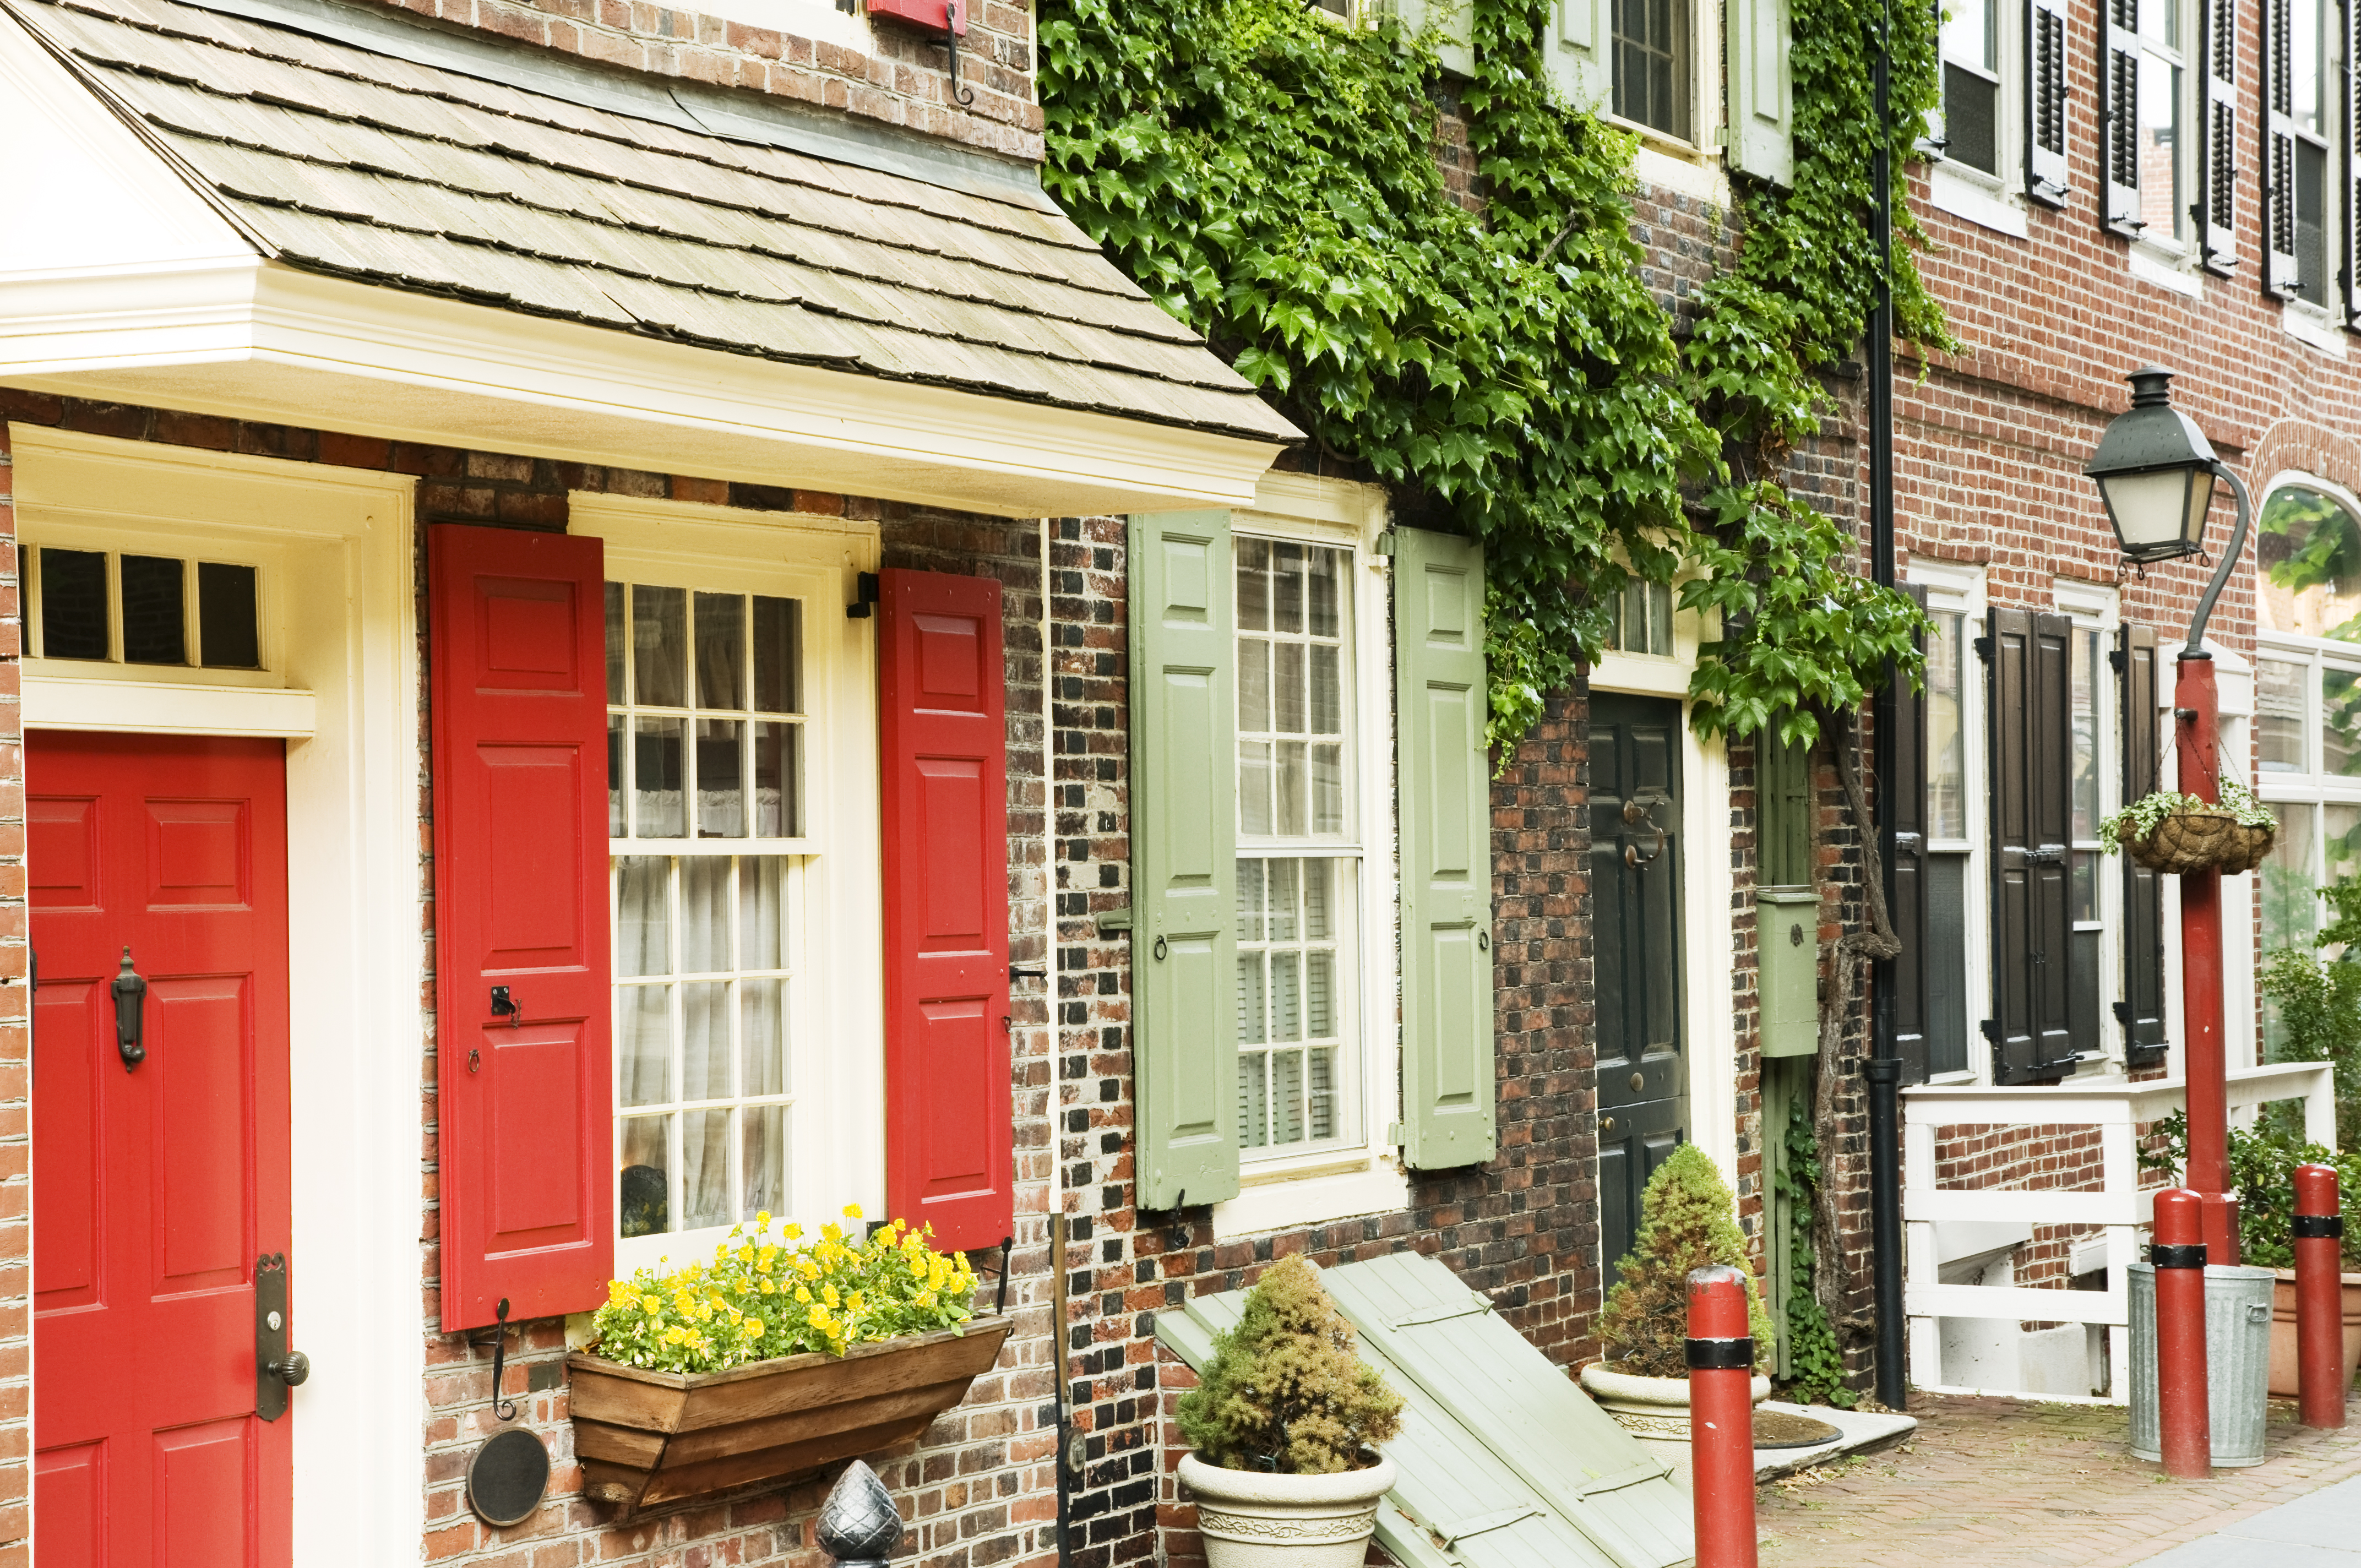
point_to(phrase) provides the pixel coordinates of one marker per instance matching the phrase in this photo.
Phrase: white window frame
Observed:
(1362, 1174)
(1995, 200)
(2314, 788)
(133, 537)
(2093, 608)
(2320, 325)
(1955, 589)
(836, 1006)
(2166, 261)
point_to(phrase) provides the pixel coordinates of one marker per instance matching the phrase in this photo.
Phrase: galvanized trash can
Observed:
(2238, 1362)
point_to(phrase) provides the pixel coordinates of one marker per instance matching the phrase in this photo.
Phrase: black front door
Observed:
(1635, 858)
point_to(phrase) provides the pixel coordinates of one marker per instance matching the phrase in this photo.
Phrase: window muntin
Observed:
(1298, 863)
(1971, 46)
(1651, 65)
(2163, 199)
(127, 608)
(704, 714)
(705, 752)
(1640, 619)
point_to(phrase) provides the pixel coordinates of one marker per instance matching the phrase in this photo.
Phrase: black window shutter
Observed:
(2031, 758)
(2119, 57)
(2217, 134)
(2142, 1008)
(2045, 101)
(2279, 149)
(1907, 813)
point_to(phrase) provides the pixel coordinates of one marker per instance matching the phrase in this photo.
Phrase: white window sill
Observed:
(1933, 1078)
(1377, 1186)
(2309, 324)
(1979, 201)
(2166, 272)
(815, 19)
(1675, 166)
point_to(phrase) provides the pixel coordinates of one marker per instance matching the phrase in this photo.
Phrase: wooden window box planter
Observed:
(649, 1438)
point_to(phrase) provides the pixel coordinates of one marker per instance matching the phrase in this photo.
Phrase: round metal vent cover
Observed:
(507, 1478)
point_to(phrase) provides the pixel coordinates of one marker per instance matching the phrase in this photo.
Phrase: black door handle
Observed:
(130, 1007)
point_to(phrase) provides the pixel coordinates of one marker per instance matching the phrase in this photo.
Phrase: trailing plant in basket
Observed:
(2137, 820)
(1287, 1390)
(762, 1298)
(1686, 1222)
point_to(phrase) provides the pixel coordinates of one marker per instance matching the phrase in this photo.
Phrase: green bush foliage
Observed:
(1687, 1219)
(1287, 1390)
(2262, 1168)
(1813, 1356)
(1269, 177)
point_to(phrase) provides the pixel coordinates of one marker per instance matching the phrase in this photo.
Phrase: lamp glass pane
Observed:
(2148, 509)
(2201, 496)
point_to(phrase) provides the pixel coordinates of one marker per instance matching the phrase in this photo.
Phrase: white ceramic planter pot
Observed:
(1253, 1520)
(1654, 1409)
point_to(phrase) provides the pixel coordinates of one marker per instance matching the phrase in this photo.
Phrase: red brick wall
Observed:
(16, 1077)
(903, 80)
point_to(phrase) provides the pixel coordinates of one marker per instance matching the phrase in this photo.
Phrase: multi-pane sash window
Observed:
(2163, 199)
(1299, 859)
(1947, 844)
(1651, 65)
(1640, 619)
(2089, 756)
(1971, 43)
(705, 752)
(2312, 46)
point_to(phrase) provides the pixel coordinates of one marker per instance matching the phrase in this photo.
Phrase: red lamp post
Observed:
(2155, 471)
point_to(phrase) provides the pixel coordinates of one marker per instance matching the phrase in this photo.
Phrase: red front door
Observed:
(157, 1186)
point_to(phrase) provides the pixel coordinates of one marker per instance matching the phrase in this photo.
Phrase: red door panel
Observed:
(950, 1155)
(157, 1186)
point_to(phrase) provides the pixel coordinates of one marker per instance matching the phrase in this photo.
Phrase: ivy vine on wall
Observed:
(1269, 177)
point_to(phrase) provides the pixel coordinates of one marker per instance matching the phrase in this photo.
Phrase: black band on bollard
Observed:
(2188, 1257)
(1721, 1354)
(2310, 1226)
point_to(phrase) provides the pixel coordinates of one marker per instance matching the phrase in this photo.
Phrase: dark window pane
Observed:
(227, 631)
(155, 610)
(74, 604)
(778, 655)
(1946, 963)
(2312, 271)
(659, 647)
(618, 639)
(720, 650)
(2082, 991)
(1651, 65)
(1971, 116)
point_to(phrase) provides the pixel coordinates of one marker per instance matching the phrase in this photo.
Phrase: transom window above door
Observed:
(122, 608)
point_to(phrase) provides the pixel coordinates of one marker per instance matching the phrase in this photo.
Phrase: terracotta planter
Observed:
(2283, 1383)
(1654, 1409)
(646, 1439)
(2202, 840)
(1250, 1519)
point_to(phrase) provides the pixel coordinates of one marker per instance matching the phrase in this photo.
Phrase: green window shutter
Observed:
(1783, 776)
(1184, 865)
(1446, 862)
(1761, 90)
(1580, 48)
(1453, 20)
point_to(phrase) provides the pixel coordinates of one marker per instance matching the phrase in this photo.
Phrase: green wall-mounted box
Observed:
(1787, 949)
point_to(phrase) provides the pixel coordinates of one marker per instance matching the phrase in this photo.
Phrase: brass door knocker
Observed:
(1639, 812)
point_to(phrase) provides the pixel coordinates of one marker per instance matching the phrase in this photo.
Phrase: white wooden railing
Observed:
(2117, 1108)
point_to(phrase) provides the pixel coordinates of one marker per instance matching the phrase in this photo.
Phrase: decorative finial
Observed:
(859, 1524)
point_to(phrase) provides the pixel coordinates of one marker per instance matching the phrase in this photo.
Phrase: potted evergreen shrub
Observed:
(2174, 834)
(1284, 1426)
(776, 1359)
(1687, 1219)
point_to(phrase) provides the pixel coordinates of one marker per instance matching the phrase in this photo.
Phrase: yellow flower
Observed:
(852, 1211)
(770, 1288)
(802, 1295)
(650, 1306)
(794, 1231)
(926, 1299)
(828, 1292)
(854, 1301)
(832, 1232)
(761, 1219)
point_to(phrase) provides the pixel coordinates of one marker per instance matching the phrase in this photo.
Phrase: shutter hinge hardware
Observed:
(2115, 660)
(1014, 973)
(1394, 1134)
(864, 596)
(1991, 1030)
(1385, 544)
(1110, 921)
(1983, 649)
(2124, 1014)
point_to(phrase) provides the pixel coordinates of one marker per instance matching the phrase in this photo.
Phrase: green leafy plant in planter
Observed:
(1286, 1390)
(1687, 1221)
(2316, 1009)
(2262, 1168)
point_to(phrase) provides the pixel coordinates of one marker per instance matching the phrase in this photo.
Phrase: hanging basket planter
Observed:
(2176, 835)
(2211, 839)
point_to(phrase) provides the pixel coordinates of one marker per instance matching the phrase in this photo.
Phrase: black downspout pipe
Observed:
(1883, 1069)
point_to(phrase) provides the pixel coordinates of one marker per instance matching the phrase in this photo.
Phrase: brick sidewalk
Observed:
(2005, 1483)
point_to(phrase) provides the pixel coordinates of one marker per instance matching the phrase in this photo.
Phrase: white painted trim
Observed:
(2166, 271)
(1970, 197)
(355, 949)
(164, 708)
(1365, 1175)
(838, 1023)
(1954, 587)
(2313, 327)
(253, 339)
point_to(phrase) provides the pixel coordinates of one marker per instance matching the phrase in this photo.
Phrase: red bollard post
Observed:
(1721, 1417)
(2181, 1395)
(2319, 1298)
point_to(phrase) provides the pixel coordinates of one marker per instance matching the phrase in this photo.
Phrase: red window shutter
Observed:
(525, 1100)
(949, 1155)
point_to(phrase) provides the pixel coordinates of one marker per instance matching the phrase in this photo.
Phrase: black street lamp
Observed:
(2155, 471)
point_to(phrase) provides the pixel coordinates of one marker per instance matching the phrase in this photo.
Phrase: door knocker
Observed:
(1639, 812)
